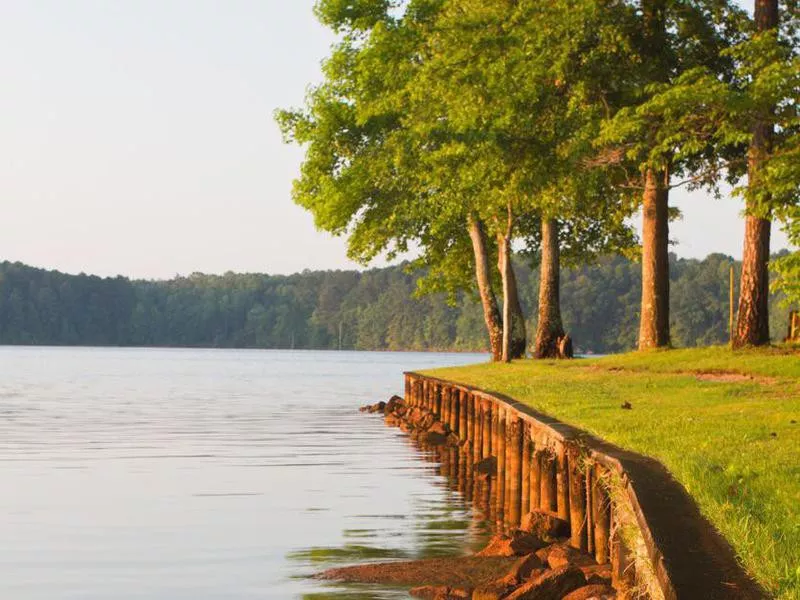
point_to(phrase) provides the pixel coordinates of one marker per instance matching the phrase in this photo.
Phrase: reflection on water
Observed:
(134, 474)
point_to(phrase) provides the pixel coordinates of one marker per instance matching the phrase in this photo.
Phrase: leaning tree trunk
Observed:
(491, 315)
(654, 320)
(519, 335)
(549, 330)
(504, 262)
(752, 325)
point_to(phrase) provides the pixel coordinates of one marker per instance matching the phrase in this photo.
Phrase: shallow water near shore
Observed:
(210, 474)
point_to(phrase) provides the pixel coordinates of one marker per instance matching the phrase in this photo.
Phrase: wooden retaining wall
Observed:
(602, 491)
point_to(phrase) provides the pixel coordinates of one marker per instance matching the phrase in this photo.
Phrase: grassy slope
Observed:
(715, 437)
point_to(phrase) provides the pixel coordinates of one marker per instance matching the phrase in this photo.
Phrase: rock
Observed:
(440, 428)
(550, 585)
(493, 591)
(523, 569)
(597, 574)
(519, 543)
(592, 592)
(545, 525)
(560, 555)
(439, 592)
(392, 420)
(426, 421)
(393, 404)
(487, 466)
(434, 439)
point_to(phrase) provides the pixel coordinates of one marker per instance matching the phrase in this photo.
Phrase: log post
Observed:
(477, 438)
(525, 466)
(623, 572)
(536, 477)
(500, 438)
(549, 486)
(577, 501)
(601, 508)
(455, 412)
(487, 428)
(562, 482)
(462, 407)
(514, 461)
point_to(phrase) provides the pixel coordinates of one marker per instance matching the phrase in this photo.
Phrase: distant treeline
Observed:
(371, 310)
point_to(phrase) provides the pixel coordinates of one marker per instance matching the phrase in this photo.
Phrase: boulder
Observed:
(392, 420)
(439, 592)
(545, 525)
(393, 404)
(597, 574)
(592, 592)
(550, 585)
(440, 428)
(434, 439)
(560, 555)
(519, 543)
(523, 569)
(495, 590)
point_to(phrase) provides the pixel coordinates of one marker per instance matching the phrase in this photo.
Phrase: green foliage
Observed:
(373, 310)
(787, 267)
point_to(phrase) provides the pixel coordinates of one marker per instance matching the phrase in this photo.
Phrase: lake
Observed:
(211, 474)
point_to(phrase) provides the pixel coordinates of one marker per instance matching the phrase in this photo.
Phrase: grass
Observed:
(734, 442)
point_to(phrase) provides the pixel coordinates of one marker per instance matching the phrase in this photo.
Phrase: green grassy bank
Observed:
(726, 424)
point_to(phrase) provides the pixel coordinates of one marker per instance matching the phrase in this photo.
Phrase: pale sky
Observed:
(137, 138)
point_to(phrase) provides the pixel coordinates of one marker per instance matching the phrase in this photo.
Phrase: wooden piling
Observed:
(514, 467)
(487, 428)
(562, 482)
(601, 509)
(535, 478)
(549, 486)
(525, 466)
(577, 502)
(463, 415)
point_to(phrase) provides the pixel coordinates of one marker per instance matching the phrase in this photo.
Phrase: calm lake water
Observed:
(210, 474)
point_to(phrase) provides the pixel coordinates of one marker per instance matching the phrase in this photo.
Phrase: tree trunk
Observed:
(519, 335)
(491, 314)
(549, 329)
(752, 326)
(504, 263)
(654, 322)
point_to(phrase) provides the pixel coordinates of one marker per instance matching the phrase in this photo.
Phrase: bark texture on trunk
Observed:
(654, 321)
(519, 334)
(550, 329)
(491, 314)
(752, 325)
(504, 264)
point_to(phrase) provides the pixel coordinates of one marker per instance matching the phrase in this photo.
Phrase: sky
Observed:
(137, 138)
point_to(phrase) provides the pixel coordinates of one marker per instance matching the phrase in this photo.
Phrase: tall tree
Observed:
(673, 38)
(752, 325)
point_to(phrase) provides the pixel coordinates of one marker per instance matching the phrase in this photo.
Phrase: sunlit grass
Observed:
(733, 442)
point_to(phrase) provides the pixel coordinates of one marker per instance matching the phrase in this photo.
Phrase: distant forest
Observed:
(370, 310)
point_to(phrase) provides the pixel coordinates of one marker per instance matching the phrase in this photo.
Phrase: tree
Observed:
(752, 326)
(676, 38)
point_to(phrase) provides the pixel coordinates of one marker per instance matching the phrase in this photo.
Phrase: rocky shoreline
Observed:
(527, 558)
